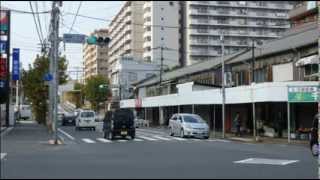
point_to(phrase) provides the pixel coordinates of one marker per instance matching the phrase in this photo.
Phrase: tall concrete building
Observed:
(95, 58)
(241, 21)
(126, 32)
(161, 29)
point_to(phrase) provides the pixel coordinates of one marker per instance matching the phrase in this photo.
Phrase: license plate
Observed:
(124, 133)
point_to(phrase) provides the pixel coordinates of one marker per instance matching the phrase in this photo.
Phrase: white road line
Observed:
(104, 140)
(179, 139)
(2, 155)
(196, 139)
(147, 138)
(66, 134)
(279, 162)
(88, 140)
(162, 138)
(138, 140)
(218, 140)
(122, 140)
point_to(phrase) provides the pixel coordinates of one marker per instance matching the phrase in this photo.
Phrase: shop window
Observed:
(311, 69)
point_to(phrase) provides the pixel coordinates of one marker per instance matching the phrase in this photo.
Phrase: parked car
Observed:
(86, 119)
(69, 119)
(314, 144)
(119, 123)
(24, 112)
(188, 125)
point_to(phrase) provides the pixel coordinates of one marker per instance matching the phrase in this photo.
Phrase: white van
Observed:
(25, 112)
(86, 119)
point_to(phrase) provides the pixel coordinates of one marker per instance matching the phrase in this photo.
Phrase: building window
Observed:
(311, 69)
(162, 38)
(133, 77)
(162, 9)
(171, 3)
(162, 18)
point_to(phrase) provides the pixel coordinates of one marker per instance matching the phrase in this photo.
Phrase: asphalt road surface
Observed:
(25, 153)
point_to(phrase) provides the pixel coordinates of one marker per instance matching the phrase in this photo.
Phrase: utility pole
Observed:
(252, 98)
(54, 38)
(223, 85)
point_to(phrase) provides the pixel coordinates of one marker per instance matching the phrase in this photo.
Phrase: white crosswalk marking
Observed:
(148, 138)
(88, 140)
(162, 138)
(196, 139)
(104, 140)
(179, 139)
(138, 140)
(122, 140)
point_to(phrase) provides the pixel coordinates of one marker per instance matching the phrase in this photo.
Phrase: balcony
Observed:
(204, 53)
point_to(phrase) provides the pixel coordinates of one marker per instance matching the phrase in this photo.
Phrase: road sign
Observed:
(48, 77)
(16, 64)
(74, 38)
(303, 94)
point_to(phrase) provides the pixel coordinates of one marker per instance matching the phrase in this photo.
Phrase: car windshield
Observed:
(192, 119)
(87, 114)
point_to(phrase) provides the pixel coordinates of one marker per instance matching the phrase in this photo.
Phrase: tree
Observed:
(93, 93)
(36, 89)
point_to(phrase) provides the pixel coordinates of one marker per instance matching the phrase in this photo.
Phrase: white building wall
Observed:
(263, 92)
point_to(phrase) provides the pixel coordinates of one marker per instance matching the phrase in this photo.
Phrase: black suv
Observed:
(119, 123)
(314, 144)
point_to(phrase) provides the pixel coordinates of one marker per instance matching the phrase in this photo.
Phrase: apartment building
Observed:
(303, 12)
(95, 57)
(241, 21)
(126, 32)
(161, 29)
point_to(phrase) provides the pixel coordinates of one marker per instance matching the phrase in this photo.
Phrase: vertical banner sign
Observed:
(15, 64)
(4, 54)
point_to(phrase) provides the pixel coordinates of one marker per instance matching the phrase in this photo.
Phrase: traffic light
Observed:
(100, 41)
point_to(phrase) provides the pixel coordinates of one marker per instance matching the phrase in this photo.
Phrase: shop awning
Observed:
(314, 59)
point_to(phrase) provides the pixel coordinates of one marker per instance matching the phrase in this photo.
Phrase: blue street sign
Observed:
(2, 83)
(48, 77)
(3, 47)
(16, 64)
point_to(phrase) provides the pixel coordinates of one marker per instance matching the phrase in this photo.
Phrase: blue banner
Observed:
(16, 64)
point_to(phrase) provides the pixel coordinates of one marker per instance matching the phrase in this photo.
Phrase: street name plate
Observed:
(74, 38)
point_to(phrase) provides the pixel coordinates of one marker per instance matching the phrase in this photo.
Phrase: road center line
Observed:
(66, 134)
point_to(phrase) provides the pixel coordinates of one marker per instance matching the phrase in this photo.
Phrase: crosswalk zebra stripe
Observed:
(179, 139)
(88, 140)
(196, 139)
(122, 140)
(148, 138)
(162, 138)
(104, 140)
(138, 140)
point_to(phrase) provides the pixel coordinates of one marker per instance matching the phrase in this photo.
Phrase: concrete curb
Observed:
(6, 131)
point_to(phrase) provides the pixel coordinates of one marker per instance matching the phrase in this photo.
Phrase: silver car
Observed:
(188, 125)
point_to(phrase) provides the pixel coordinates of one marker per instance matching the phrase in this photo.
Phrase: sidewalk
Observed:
(262, 140)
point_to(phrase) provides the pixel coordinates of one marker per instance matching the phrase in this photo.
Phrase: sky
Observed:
(24, 34)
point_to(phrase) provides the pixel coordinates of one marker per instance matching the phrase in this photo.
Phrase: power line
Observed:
(27, 12)
(75, 17)
(45, 17)
(40, 27)
(35, 21)
(174, 27)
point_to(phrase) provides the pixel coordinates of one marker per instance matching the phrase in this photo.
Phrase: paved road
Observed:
(154, 155)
